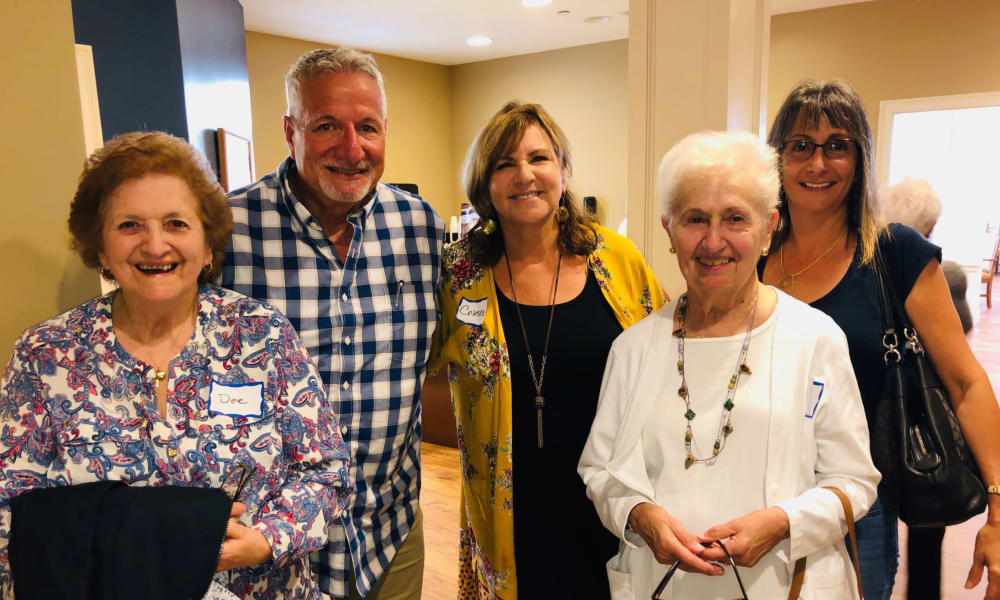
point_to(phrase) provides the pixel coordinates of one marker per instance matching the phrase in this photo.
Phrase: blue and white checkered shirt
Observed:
(367, 323)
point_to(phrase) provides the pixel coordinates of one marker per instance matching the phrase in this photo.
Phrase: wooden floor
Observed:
(439, 500)
(439, 503)
(959, 540)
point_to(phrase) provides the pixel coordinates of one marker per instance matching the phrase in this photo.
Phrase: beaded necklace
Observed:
(725, 421)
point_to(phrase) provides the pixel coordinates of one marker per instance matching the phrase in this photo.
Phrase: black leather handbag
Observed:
(930, 465)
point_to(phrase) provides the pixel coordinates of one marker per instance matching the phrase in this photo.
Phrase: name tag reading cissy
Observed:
(236, 400)
(472, 312)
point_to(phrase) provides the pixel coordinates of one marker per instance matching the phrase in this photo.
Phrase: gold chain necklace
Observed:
(725, 421)
(789, 279)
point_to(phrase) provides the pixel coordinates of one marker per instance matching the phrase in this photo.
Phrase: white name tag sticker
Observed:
(236, 400)
(472, 312)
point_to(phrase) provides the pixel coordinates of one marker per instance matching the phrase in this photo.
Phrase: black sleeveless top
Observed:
(560, 546)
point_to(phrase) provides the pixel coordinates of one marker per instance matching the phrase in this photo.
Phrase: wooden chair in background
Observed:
(993, 263)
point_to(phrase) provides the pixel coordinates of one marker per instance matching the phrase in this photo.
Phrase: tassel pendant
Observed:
(539, 404)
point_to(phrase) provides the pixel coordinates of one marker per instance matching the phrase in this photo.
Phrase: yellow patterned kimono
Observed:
(471, 339)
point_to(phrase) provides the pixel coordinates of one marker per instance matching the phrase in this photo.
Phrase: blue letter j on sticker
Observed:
(815, 394)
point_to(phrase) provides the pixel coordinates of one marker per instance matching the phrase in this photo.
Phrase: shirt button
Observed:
(172, 452)
(344, 297)
(343, 430)
(345, 385)
(347, 340)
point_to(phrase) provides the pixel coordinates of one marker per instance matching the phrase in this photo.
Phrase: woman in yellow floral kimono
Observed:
(530, 302)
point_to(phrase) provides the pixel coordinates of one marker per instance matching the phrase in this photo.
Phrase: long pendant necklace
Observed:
(789, 279)
(725, 421)
(540, 377)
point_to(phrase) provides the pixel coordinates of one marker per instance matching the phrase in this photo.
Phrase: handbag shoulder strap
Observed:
(798, 576)
(896, 327)
(893, 312)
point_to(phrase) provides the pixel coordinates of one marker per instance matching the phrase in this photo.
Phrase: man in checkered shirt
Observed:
(354, 264)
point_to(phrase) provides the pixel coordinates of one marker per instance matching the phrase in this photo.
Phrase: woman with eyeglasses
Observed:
(822, 253)
(724, 414)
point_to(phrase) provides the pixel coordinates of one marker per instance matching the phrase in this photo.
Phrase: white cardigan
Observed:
(818, 437)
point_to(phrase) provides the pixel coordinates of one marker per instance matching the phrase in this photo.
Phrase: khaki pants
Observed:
(404, 578)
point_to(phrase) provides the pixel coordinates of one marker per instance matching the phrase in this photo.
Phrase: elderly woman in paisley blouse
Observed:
(171, 381)
(530, 302)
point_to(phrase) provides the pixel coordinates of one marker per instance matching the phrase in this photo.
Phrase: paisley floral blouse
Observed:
(77, 407)
(471, 339)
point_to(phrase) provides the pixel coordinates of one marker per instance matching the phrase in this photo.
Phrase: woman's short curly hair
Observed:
(131, 156)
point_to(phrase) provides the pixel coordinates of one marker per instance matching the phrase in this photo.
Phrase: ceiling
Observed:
(436, 30)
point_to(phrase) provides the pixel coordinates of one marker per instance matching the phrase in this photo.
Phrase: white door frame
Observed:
(888, 109)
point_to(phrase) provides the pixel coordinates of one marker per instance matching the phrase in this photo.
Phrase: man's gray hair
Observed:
(912, 202)
(329, 60)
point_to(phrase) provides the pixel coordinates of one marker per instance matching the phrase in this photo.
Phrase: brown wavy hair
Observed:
(502, 132)
(131, 156)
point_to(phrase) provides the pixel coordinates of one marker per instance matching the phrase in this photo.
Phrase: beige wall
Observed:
(418, 142)
(41, 155)
(889, 49)
(586, 91)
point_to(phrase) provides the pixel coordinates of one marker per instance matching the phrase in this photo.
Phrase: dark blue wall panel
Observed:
(137, 60)
(214, 59)
(173, 65)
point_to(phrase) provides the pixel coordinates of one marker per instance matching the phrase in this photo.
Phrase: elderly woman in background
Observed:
(914, 203)
(530, 302)
(724, 414)
(170, 381)
(823, 252)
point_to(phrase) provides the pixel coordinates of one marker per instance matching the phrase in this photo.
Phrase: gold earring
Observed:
(207, 268)
(764, 251)
(563, 213)
(489, 226)
(673, 250)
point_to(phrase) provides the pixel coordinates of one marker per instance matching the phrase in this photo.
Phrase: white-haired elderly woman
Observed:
(912, 202)
(724, 414)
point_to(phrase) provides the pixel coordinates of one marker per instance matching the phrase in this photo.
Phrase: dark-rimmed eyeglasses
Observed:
(670, 573)
(837, 149)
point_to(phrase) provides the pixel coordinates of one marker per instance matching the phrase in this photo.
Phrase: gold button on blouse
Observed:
(172, 453)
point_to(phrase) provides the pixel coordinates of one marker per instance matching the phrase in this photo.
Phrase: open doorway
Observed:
(949, 141)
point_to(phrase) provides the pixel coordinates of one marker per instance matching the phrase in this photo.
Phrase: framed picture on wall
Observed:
(235, 161)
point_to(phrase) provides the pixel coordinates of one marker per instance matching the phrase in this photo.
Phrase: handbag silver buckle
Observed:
(890, 342)
(913, 342)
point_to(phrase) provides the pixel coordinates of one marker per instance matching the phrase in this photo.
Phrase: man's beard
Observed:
(347, 196)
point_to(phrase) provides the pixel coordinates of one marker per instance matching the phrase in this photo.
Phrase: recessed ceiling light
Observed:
(479, 40)
(598, 19)
(536, 2)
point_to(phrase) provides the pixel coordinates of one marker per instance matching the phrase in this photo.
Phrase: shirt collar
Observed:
(285, 171)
